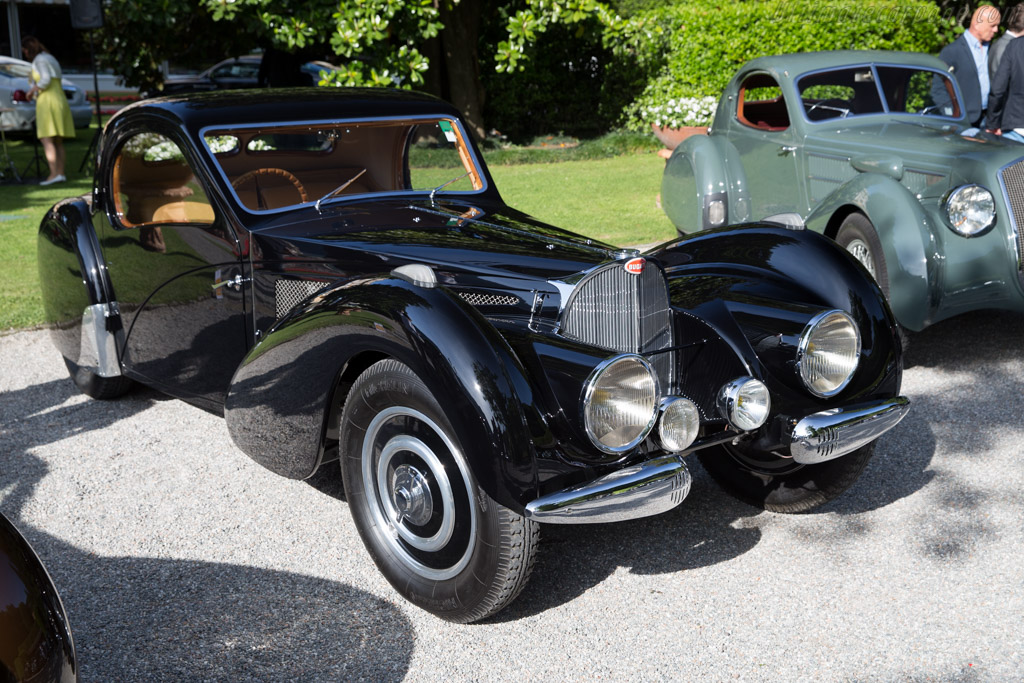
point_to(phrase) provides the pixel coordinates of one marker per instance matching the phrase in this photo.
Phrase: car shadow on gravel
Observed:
(705, 530)
(709, 527)
(970, 341)
(137, 618)
(50, 411)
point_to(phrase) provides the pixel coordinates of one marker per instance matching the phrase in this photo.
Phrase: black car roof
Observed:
(273, 105)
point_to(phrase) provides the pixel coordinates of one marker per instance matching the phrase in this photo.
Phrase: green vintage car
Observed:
(873, 149)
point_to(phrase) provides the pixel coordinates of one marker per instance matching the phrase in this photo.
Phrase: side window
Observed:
(153, 185)
(840, 93)
(435, 158)
(917, 91)
(761, 104)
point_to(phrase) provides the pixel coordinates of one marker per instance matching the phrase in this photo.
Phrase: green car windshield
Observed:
(876, 89)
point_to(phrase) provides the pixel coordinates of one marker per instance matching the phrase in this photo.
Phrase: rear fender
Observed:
(912, 258)
(78, 299)
(704, 170)
(282, 397)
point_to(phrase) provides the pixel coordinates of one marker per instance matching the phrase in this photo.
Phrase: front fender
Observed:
(912, 259)
(73, 278)
(279, 402)
(757, 286)
(703, 169)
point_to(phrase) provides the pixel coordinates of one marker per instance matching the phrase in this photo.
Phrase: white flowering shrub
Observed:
(678, 112)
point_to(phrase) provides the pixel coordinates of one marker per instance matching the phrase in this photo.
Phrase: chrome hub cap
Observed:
(410, 494)
(417, 488)
(862, 253)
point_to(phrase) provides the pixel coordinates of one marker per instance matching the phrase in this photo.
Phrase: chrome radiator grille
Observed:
(1013, 182)
(619, 311)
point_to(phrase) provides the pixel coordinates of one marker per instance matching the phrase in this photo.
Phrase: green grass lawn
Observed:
(610, 199)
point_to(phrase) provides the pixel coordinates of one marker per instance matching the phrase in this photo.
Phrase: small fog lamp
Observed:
(745, 403)
(679, 424)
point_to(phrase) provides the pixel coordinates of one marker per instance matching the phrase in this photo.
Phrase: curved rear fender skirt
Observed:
(72, 275)
(278, 402)
(703, 166)
(912, 254)
(739, 279)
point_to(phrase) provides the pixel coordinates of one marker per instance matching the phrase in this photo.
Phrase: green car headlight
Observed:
(620, 403)
(971, 210)
(828, 353)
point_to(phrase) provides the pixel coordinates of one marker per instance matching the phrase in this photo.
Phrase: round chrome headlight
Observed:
(745, 403)
(680, 421)
(971, 210)
(620, 403)
(829, 352)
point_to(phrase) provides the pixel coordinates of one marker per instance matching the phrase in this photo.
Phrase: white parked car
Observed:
(18, 113)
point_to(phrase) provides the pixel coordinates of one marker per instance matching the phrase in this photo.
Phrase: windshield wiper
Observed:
(339, 188)
(441, 187)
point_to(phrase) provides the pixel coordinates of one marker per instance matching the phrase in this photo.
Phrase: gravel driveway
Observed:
(178, 558)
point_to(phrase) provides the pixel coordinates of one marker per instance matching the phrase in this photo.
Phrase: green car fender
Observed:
(912, 259)
(702, 170)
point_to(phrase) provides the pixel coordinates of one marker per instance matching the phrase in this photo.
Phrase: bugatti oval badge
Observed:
(635, 265)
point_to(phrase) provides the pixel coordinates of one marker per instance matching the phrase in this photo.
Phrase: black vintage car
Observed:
(35, 639)
(335, 272)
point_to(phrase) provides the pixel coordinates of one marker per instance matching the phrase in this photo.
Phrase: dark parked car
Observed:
(874, 150)
(35, 639)
(335, 272)
(235, 73)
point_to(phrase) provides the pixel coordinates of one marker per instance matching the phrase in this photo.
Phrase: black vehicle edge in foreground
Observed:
(35, 638)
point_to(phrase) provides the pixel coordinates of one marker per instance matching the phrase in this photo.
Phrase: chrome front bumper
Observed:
(649, 488)
(832, 433)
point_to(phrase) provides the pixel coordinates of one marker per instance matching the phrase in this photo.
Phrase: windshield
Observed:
(876, 89)
(274, 167)
(15, 70)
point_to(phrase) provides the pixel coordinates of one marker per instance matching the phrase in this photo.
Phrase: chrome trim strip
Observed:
(98, 350)
(832, 433)
(649, 488)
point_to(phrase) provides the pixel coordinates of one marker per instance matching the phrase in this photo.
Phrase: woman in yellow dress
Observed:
(53, 114)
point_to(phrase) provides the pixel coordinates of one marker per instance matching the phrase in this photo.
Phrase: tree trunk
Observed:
(461, 63)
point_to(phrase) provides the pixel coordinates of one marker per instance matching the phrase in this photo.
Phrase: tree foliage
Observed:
(692, 50)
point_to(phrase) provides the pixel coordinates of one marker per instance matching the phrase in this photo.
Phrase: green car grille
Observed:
(1012, 178)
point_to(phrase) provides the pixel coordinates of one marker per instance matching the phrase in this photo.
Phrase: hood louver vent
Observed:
(288, 293)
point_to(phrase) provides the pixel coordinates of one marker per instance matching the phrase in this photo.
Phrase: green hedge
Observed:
(692, 50)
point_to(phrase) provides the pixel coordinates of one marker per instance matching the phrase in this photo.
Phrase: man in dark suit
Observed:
(967, 57)
(1006, 111)
(1014, 28)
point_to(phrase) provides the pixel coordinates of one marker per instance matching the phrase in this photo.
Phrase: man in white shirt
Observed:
(967, 57)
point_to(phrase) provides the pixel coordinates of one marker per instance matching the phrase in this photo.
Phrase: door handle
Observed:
(234, 283)
(786, 149)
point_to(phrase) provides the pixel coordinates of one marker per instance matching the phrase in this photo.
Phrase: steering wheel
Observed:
(290, 177)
